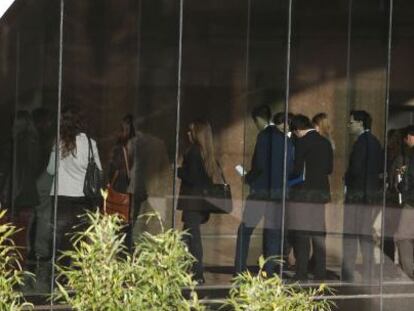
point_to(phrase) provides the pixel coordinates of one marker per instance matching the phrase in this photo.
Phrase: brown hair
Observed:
(202, 135)
(72, 124)
(127, 130)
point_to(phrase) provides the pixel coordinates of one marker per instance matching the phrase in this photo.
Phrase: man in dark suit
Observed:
(266, 181)
(363, 194)
(313, 161)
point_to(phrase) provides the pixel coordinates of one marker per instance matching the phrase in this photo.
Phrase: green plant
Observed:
(11, 272)
(262, 293)
(164, 261)
(103, 276)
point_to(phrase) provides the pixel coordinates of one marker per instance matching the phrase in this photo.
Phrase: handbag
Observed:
(218, 198)
(117, 202)
(93, 178)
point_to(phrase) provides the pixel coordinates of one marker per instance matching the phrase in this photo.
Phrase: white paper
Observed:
(240, 170)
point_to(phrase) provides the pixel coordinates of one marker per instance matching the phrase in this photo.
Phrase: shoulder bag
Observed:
(93, 178)
(118, 202)
(217, 197)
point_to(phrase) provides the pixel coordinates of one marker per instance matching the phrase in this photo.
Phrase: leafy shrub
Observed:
(103, 276)
(160, 265)
(260, 293)
(11, 272)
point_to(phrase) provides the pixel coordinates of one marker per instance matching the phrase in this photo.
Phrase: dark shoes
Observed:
(199, 281)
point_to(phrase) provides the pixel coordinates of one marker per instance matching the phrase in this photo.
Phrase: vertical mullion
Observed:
(57, 148)
(288, 60)
(387, 103)
(178, 112)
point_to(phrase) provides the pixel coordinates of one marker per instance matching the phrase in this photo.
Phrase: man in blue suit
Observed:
(266, 179)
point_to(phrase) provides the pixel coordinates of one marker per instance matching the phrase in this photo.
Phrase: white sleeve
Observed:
(51, 166)
(96, 154)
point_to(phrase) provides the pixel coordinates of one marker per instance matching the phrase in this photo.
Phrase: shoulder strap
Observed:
(114, 178)
(126, 161)
(116, 174)
(221, 173)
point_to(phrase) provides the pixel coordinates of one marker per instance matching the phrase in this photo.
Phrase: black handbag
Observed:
(93, 178)
(217, 197)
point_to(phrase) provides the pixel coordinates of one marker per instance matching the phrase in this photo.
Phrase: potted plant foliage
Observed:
(102, 275)
(261, 293)
(11, 272)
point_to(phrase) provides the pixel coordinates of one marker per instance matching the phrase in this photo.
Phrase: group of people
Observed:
(289, 181)
(128, 171)
(292, 161)
(308, 160)
(44, 172)
(289, 187)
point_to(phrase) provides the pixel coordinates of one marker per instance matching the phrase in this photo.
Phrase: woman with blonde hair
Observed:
(197, 173)
(322, 125)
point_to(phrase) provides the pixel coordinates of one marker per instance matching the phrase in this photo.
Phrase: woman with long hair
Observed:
(73, 153)
(198, 172)
(322, 125)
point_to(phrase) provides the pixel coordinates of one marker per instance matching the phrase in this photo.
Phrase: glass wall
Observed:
(319, 85)
(398, 220)
(261, 229)
(120, 67)
(297, 106)
(29, 88)
(213, 89)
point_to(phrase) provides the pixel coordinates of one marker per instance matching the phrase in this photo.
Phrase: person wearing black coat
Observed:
(306, 211)
(198, 172)
(363, 195)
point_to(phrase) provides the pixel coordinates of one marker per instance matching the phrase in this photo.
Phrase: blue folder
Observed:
(296, 181)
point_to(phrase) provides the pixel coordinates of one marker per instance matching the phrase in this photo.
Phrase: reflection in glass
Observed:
(306, 210)
(40, 226)
(213, 88)
(329, 78)
(198, 173)
(364, 174)
(28, 79)
(260, 217)
(363, 196)
(266, 180)
(404, 232)
(75, 151)
(151, 182)
(120, 64)
(398, 215)
(121, 69)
